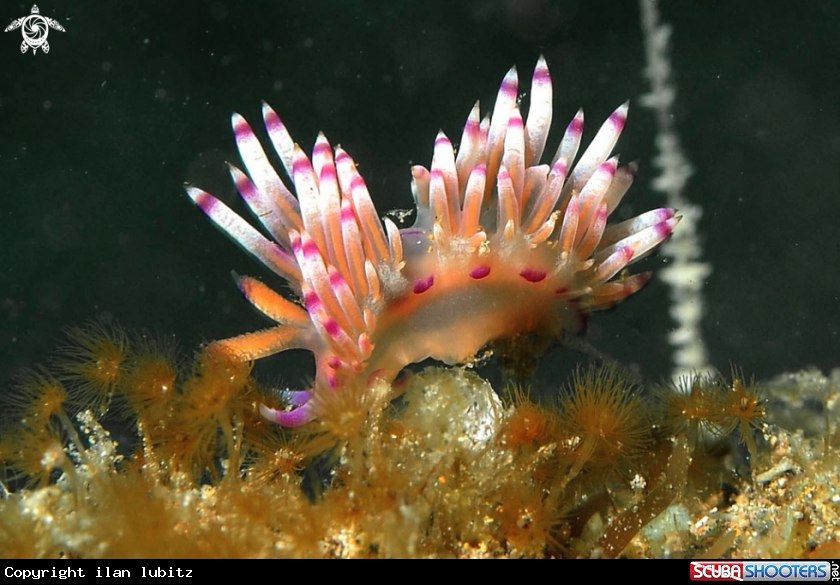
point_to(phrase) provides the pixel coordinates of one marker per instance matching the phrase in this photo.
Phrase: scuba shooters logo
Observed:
(764, 571)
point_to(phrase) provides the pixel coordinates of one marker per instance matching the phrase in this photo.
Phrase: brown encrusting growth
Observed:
(608, 468)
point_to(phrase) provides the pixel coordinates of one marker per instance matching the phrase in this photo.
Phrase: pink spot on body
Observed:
(423, 285)
(532, 275)
(479, 272)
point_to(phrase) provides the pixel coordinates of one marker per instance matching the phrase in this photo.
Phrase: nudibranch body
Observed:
(501, 244)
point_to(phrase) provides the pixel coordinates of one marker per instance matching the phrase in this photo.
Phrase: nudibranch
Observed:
(502, 244)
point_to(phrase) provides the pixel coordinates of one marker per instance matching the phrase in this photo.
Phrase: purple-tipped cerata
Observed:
(506, 240)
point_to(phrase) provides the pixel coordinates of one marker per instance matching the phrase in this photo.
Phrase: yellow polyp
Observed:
(219, 375)
(602, 409)
(92, 361)
(694, 408)
(149, 386)
(343, 413)
(22, 450)
(38, 398)
(449, 470)
(529, 423)
(744, 409)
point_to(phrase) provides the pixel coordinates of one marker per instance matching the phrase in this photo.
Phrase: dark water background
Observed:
(98, 136)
